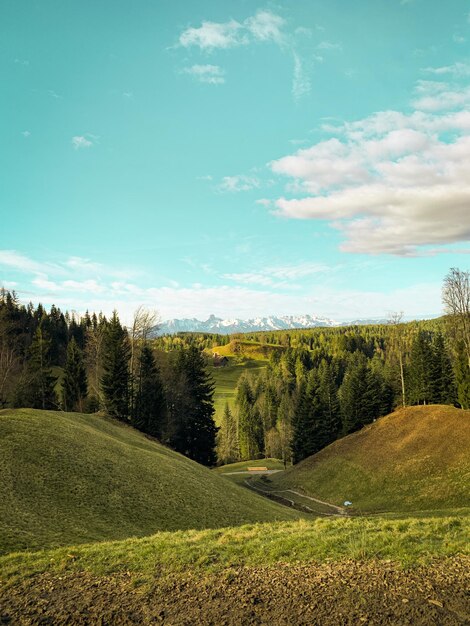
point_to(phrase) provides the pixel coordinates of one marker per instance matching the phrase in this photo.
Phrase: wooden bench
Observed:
(257, 469)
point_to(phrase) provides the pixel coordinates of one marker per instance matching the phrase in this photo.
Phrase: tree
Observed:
(250, 427)
(462, 376)
(194, 430)
(143, 323)
(150, 399)
(10, 345)
(39, 392)
(443, 382)
(227, 438)
(398, 349)
(74, 386)
(421, 370)
(329, 401)
(115, 363)
(456, 298)
(94, 340)
(360, 398)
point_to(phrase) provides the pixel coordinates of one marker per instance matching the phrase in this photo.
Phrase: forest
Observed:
(318, 385)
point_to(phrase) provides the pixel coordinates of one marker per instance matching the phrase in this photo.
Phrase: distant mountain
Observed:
(220, 326)
(229, 326)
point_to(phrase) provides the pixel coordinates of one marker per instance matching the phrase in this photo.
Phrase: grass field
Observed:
(415, 459)
(241, 466)
(407, 541)
(226, 379)
(69, 478)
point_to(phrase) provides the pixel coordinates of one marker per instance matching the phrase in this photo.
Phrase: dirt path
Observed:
(331, 594)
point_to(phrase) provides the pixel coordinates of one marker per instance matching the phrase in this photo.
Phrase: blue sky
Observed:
(235, 158)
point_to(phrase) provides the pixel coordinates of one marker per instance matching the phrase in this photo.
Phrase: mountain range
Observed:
(230, 326)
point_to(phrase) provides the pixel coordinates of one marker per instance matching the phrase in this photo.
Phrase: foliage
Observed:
(74, 385)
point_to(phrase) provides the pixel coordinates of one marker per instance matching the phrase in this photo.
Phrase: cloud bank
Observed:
(393, 182)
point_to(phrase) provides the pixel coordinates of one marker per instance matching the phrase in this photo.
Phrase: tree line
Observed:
(319, 384)
(51, 360)
(329, 382)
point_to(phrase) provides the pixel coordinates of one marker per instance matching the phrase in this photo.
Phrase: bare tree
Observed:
(93, 360)
(144, 321)
(456, 299)
(396, 320)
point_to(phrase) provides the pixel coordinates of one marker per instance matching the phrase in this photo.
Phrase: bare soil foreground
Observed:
(352, 592)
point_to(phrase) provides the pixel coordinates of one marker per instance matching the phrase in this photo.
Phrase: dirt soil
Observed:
(336, 594)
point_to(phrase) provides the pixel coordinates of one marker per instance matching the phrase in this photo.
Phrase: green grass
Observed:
(69, 478)
(415, 459)
(226, 379)
(406, 541)
(241, 466)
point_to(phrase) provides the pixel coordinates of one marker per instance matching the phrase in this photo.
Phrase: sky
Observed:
(235, 158)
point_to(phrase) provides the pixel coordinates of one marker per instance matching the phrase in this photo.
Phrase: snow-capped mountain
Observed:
(229, 326)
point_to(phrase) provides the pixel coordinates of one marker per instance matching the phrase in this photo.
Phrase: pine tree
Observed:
(150, 400)
(329, 402)
(360, 394)
(194, 430)
(74, 386)
(443, 382)
(115, 378)
(39, 391)
(250, 427)
(462, 376)
(227, 438)
(310, 427)
(420, 371)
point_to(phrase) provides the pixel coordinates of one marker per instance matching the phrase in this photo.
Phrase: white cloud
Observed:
(329, 45)
(238, 183)
(21, 263)
(458, 70)
(393, 182)
(26, 133)
(300, 82)
(459, 39)
(263, 26)
(264, 202)
(79, 142)
(266, 26)
(280, 276)
(212, 35)
(80, 290)
(246, 302)
(211, 74)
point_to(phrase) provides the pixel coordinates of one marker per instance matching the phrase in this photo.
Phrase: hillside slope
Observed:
(414, 459)
(69, 478)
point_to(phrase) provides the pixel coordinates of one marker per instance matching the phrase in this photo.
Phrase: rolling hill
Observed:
(69, 478)
(415, 459)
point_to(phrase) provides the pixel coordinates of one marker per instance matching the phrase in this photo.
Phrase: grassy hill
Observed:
(226, 379)
(69, 478)
(414, 459)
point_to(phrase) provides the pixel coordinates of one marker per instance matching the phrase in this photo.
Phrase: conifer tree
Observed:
(249, 423)
(420, 372)
(360, 398)
(443, 382)
(462, 376)
(39, 391)
(74, 386)
(115, 378)
(329, 402)
(227, 438)
(150, 399)
(194, 430)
